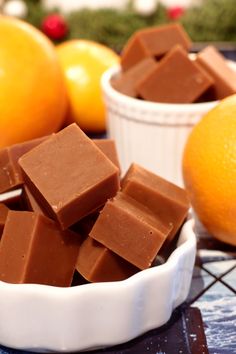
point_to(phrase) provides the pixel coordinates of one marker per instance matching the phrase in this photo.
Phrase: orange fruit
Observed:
(209, 170)
(32, 89)
(84, 62)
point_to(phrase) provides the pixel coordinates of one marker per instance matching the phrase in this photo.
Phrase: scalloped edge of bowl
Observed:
(43, 318)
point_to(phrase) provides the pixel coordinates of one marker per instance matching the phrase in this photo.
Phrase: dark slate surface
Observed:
(183, 334)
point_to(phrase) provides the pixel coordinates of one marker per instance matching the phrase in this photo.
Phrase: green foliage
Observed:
(110, 27)
(215, 20)
(36, 13)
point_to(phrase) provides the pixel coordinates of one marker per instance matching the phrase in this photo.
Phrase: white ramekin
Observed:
(44, 318)
(148, 133)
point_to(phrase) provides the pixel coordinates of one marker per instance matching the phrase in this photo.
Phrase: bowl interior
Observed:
(45, 318)
(107, 87)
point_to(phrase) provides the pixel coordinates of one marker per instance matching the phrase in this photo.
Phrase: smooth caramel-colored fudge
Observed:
(153, 42)
(30, 201)
(216, 65)
(108, 147)
(3, 215)
(166, 200)
(177, 79)
(127, 81)
(97, 263)
(10, 172)
(69, 176)
(33, 249)
(130, 230)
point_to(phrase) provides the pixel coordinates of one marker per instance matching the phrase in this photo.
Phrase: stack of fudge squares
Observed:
(73, 213)
(156, 66)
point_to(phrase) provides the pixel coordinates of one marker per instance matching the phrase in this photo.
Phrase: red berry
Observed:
(54, 26)
(175, 12)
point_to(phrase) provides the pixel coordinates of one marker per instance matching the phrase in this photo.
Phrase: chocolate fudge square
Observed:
(125, 83)
(97, 263)
(167, 200)
(10, 172)
(211, 60)
(69, 175)
(130, 230)
(153, 42)
(34, 249)
(177, 79)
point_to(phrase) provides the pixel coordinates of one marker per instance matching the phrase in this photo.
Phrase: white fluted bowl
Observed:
(149, 133)
(45, 318)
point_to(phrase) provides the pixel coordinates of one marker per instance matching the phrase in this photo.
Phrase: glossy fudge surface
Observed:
(108, 147)
(131, 230)
(10, 172)
(134, 52)
(97, 263)
(69, 176)
(224, 77)
(153, 42)
(30, 201)
(168, 201)
(177, 79)
(33, 249)
(126, 82)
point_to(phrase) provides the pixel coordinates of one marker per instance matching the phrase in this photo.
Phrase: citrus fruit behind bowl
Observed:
(84, 62)
(32, 89)
(209, 170)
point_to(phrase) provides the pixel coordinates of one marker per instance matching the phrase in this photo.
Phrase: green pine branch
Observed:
(214, 21)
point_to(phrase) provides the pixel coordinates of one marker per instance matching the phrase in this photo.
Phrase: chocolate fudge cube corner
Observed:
(166, 200)
(69, 176)
(177, 79)
(153, 42)
(130, 230)
(34, 249)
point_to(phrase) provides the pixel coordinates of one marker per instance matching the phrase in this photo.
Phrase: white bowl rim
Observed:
(63, 308)
(146, 105)
(186, 241)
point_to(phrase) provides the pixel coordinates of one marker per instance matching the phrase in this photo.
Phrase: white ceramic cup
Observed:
(148, 133)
